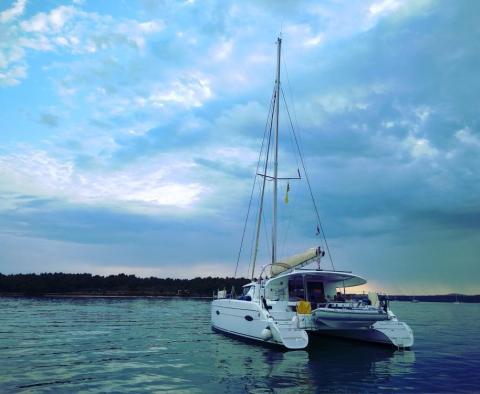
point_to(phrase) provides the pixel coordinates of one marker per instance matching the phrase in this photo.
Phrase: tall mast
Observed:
(275, 162)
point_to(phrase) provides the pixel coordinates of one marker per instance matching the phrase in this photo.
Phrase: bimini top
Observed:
(344, 278)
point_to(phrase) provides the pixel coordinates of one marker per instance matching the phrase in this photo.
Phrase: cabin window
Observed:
(246, 290)
(315, 290)
(295, 288)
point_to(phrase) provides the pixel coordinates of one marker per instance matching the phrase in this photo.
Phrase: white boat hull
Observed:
(390, 332)
(248, 320)
(229, 315)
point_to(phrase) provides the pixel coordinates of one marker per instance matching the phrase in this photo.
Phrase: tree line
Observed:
(121, 284)
(131, 285)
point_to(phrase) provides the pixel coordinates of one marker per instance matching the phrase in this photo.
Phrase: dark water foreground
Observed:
(161, 345)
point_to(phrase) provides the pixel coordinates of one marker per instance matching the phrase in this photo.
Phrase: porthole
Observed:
(217, 312)
(248, 318)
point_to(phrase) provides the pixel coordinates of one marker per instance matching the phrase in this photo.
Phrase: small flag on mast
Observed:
(318, 230)
(286, 193)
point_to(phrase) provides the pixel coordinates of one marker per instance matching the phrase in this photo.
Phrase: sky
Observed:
(130, 132)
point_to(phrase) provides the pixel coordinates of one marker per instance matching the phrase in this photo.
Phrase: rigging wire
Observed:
(262, 190)
(299, 143)
(308, 181)
(253, 185)
(290, 208)
(252, 243)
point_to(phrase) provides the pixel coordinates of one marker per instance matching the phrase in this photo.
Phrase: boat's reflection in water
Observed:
(341, 364)
(329, 364)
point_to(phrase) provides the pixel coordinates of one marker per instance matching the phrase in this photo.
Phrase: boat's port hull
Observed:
(347, 319)
(240, 318)
(246, 338)
(247, 319)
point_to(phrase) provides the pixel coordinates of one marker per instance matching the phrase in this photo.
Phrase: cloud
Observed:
(51, 22)
(384, 6)
(191, 93)
(13, 76)
(142, 187)
(64, 28)
(419, 147)
(466, 136)
(162, 113)
(17, 9)
(84, 32)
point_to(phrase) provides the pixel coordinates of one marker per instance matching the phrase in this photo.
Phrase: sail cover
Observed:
(294, 261)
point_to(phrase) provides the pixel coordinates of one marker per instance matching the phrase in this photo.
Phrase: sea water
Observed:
(167, 345)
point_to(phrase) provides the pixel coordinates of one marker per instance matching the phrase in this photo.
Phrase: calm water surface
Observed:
(161, 345)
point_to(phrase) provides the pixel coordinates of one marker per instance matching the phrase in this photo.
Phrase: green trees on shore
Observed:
(130, 285)
(60, 283)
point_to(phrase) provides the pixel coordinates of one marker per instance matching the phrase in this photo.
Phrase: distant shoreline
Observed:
(446, 298)
(96, 295)
(127, 286)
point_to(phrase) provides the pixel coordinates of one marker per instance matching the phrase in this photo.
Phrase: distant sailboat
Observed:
(456, 299)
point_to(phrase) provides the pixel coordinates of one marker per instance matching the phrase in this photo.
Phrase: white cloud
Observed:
(38, 43)
(223, 50)
(315, 40)
(384, 6)
(334, 102)
(190, 93)
(10, 55)
(155, 184)
(466, 136)
(154, 26)
(423, 113)
(393, 11)
(65, 28)
(303, 35)
(51, 22)
(13, 76)
(14, 12)
(351, 99)
(388, 124)
(419, 147)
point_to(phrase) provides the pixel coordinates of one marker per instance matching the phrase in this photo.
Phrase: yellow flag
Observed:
(286, 193)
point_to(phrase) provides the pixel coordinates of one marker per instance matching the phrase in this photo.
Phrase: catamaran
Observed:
(295, 297)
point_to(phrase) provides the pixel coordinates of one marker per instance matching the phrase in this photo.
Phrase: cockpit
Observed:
(302, 287)
(306, 287)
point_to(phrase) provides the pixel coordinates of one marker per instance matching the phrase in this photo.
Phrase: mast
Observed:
(275, 162)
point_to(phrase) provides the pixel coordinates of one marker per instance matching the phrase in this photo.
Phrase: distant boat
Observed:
(288, 303)
(456, 299)
(414, 299)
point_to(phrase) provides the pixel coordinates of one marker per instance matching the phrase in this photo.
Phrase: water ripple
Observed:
(147, 344)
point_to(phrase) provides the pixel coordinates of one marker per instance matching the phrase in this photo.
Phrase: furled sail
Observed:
(294, 261)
